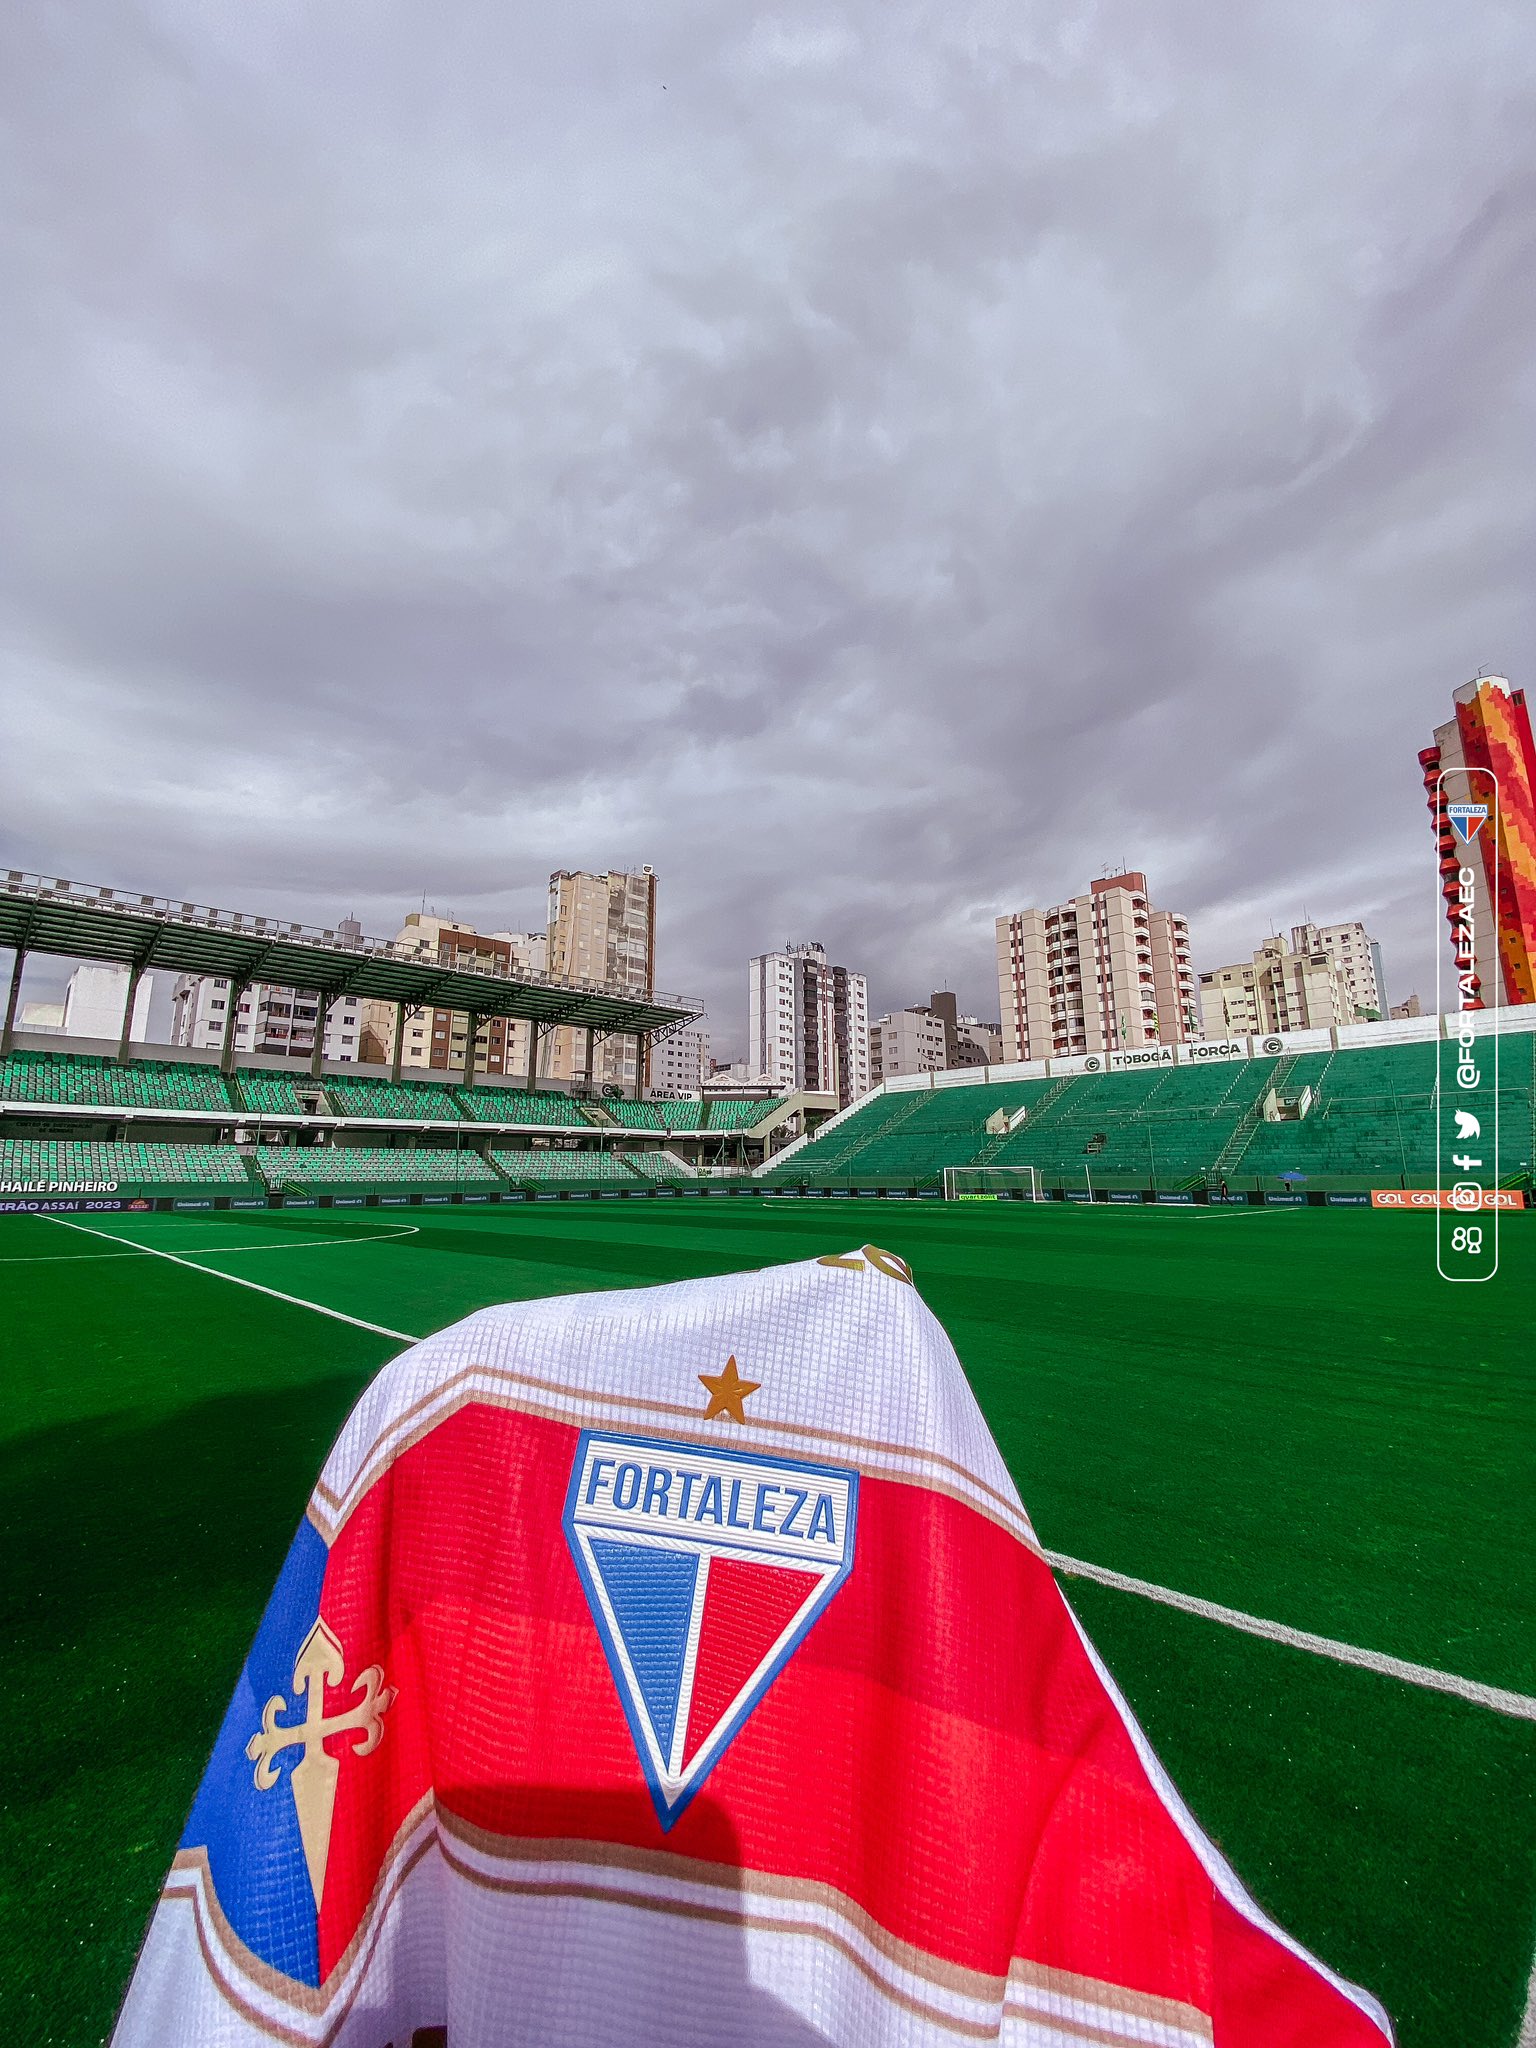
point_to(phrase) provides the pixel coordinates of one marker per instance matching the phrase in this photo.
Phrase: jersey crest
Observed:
(704, 1570)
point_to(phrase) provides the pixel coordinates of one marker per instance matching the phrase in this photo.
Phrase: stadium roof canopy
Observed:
(89, 923)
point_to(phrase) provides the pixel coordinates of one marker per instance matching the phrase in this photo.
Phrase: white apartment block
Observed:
(1281, 989)
(680, 1062)
(1351, 947)
(96, 997)
(808, 1023)
(602, 928)
(1103, 972)
(270, 1019)
(907, 1042)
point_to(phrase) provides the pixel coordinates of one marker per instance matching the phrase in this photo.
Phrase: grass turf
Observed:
(1284, 1411)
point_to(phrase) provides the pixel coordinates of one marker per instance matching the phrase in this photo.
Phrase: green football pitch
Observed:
(1281, 1412)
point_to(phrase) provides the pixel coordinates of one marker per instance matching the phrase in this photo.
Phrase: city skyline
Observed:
(881, 479)
(728, 1031)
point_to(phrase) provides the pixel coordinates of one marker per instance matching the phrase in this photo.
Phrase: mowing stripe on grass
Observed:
(1521, 1705)
(234, 1279)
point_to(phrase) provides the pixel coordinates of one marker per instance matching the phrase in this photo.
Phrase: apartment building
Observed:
(1351, 947)
(269, 1019)
(680, 1062)
(808, 1023)
(439, 1038)
(929, 1038)
(1104, 972)
(1282, 988)
(602, 928)
(906, 1042)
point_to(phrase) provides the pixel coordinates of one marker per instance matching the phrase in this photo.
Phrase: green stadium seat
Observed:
(552, 1165)
(1371, 1120)
(657, 1166)
(322, 1167)
(492, 1105)
(134, 1168)
(267, 1093)
(726, 1115)
(412, 1101)
(93, 1082)
(636, 1116)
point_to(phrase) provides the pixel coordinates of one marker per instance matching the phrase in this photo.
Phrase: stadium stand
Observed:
(413, 1101)
(636, 1116)
(657, 1166)
(681, 1116)
(266, 1093)
(1369, 1121)
(550, 1165)
(916, 1131)
(725, 1115)
(491, 1105)
(154, 1169)
(329, 1166)
(82, 1078)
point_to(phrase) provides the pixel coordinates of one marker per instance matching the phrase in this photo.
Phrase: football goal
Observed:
(992, 1183)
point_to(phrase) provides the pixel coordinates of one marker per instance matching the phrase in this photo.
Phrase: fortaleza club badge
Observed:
(705, 1571)
(1468, 819)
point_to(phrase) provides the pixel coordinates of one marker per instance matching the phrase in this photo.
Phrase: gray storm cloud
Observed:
(879, 465)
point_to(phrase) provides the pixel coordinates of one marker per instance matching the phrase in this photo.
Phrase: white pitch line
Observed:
(235, 1280)
(1527, 2035)
(1521, 1705)
(221, 1251)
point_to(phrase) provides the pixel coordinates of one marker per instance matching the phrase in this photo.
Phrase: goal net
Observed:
(990, 1183)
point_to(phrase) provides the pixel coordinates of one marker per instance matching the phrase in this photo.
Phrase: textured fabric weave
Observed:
(680, 1666)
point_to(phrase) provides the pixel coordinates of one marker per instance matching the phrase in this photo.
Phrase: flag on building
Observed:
(680, 1667)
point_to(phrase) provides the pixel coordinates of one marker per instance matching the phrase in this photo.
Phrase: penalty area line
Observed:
(1522, 1706)
(236, 1280)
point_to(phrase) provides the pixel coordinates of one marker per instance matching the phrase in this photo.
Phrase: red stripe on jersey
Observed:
(938, 1749)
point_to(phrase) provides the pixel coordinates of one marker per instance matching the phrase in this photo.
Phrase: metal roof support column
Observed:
(587, 1071)
(227, 1045)
(642, 1061)
(394, 1064)
(469, 1050)
(322, 1018)
(9, 1029)
(533, 1054)
(133, 988)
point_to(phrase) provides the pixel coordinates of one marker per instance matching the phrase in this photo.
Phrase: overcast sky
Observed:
(877, 464)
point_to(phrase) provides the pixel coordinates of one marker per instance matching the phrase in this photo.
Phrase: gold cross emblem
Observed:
(727, 1391)
(321, 1662)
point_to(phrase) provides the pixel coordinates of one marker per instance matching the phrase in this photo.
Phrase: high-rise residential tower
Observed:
(602, 928)
(1104, 972)
(808, 1023)
(1491, 730)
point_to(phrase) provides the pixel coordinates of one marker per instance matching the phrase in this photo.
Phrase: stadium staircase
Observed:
(1047, 1102)
(1230, 1155)
(854, 1136)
